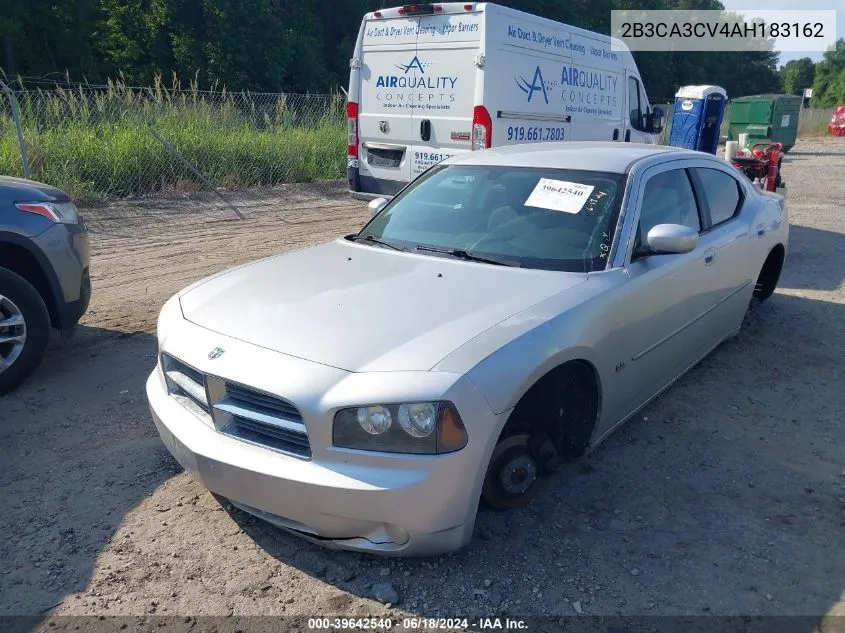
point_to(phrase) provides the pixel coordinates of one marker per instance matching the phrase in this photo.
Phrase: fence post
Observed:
(16, 115)
(174, 152)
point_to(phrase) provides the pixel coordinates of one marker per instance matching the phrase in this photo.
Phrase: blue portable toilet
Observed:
(697, 118)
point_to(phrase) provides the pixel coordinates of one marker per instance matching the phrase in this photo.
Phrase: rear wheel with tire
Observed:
(24, 329)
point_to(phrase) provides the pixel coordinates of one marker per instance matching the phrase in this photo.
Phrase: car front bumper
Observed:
(401, 505)
(67, 252)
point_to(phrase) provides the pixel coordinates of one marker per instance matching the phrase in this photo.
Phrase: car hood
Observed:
(20, 189)
(365, 308)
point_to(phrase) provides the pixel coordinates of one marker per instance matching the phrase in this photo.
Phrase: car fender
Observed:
(7, 237)
(519, 351)
(769, 225)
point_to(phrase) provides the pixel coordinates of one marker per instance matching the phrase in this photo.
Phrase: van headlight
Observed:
(426, 428)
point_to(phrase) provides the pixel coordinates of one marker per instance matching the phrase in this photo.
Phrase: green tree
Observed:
(829, 84)
(797, 75)
(49, 38)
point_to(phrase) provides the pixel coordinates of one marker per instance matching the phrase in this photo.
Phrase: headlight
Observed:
(425, 428)
(418, 419)
(374, 420)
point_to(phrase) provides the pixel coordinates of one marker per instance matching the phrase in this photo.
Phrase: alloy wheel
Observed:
(12, 333)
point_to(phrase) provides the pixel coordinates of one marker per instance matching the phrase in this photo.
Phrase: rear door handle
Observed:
(761, 230)
(616, 134)
(425, 129)
(709, 256)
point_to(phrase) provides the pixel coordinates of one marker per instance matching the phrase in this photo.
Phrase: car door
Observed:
(729, 234)
(661, 310)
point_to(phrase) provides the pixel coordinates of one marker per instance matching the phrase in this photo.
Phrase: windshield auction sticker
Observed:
(559, 195)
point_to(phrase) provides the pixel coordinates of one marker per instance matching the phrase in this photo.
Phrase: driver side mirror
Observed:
(377, 205)
(668, 239)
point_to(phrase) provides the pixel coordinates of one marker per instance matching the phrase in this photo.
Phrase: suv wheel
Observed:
(24, 329)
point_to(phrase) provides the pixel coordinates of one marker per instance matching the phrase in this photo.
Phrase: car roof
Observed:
(608, 156)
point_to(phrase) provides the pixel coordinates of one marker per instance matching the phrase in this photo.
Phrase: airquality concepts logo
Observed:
(415, 77)
(535, 85)
(417, 86)
(414, 63)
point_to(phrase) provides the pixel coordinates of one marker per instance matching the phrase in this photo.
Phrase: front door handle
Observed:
(627, 136)
(709, 256)
(425, 130)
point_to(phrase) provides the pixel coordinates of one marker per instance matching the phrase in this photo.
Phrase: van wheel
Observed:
(24, 329)
(511, 479)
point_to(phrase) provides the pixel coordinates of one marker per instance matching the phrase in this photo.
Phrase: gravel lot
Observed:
(725, 496)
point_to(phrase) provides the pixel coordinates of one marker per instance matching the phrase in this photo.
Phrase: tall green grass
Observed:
(97, 144)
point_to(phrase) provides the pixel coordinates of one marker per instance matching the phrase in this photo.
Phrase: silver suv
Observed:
(44, 281)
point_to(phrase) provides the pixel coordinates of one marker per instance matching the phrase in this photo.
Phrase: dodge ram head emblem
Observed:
(217, 352)
(384, 126)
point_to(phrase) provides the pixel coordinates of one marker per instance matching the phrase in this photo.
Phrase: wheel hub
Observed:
(518, 475)
(12, 333)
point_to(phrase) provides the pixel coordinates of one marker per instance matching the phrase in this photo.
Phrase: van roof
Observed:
(607, 156)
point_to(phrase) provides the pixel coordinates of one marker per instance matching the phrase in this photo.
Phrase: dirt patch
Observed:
(725, 496)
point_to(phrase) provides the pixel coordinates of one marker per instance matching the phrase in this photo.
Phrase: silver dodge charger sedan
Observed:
(506, 311)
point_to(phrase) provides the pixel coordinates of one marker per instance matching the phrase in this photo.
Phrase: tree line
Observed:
(826, 78)
(305, 45)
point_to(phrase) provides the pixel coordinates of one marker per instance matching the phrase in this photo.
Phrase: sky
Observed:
(837, 5)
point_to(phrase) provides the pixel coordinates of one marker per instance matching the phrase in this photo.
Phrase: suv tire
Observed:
(19, 299)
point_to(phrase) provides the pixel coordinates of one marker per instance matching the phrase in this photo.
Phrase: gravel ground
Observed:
(725, 496)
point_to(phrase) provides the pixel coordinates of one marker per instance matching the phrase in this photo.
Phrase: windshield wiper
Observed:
(459, 253)
(373, 240)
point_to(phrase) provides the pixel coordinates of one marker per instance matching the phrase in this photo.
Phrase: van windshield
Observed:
(552, 219)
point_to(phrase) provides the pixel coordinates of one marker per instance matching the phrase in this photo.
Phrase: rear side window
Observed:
(721, 192)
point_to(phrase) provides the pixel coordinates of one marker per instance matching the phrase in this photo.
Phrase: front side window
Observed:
(721, 192)
(552, 219)
(668, 199)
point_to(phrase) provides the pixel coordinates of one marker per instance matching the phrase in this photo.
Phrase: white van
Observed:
(431, 80)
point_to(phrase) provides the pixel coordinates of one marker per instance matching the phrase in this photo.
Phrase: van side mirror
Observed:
(657, 121)
(376, 205)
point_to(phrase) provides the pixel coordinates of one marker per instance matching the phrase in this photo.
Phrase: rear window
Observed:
(551, 219)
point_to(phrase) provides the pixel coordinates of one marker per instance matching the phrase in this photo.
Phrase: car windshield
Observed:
(553, 219)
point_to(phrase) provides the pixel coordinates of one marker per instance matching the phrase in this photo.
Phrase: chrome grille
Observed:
(187, 385)
(238, 411)
(259, 418)
(274, 406)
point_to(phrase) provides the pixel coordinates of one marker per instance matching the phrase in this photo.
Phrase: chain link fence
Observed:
(102, 143)
(107, 142)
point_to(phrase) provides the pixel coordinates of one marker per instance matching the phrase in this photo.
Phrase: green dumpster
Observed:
(765, 118)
